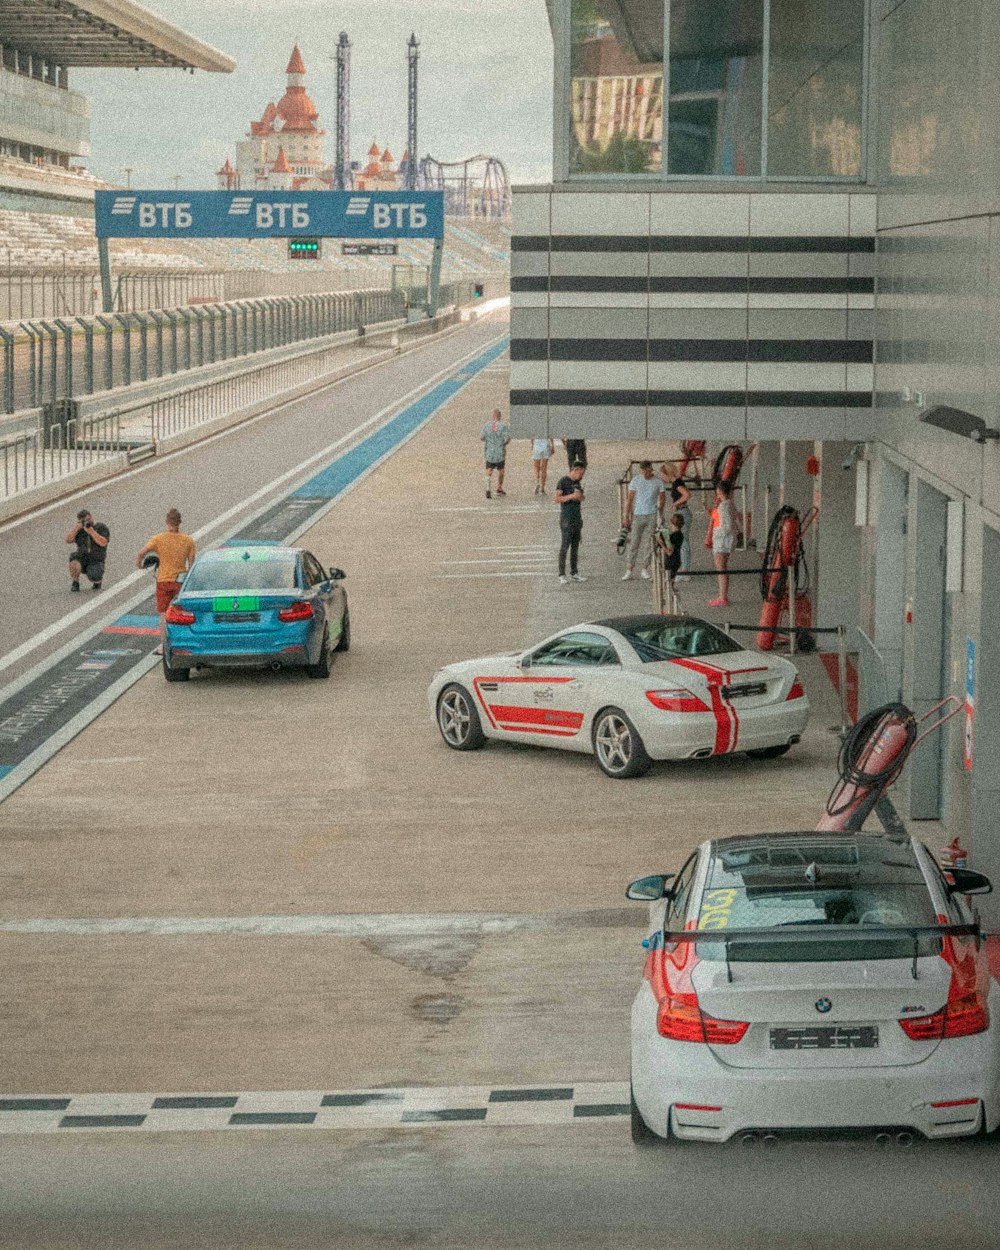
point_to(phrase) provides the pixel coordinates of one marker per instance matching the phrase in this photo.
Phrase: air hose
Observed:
(859, 742)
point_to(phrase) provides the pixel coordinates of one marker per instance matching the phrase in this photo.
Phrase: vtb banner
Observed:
(269, 214)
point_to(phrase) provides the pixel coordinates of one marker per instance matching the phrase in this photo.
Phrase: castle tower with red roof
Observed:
(284, 149)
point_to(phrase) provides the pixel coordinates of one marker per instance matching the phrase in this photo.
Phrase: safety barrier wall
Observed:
(72, 292)
(49, 361)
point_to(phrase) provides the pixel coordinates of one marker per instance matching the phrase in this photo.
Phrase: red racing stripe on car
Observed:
(726, 721)
(529, 717)
(477, 681)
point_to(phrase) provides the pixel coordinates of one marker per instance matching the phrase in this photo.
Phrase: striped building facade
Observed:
(655, 314)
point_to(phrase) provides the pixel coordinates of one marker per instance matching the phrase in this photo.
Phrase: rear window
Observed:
(243, 571)
(774, 885)
(670, 639)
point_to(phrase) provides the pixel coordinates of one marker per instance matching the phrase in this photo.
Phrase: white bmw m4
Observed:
(630, 690)
(808, 981)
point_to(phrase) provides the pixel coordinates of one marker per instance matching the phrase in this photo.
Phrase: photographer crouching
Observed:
(90, 539)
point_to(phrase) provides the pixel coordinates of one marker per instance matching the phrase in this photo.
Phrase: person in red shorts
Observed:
(175, 552)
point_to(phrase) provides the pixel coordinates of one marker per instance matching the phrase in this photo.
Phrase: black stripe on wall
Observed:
(702, 286)
(789, 351)
(690, 243)
(689, 399)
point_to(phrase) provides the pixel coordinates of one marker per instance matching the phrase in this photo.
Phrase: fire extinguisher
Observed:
(871, 758)
(781, 557)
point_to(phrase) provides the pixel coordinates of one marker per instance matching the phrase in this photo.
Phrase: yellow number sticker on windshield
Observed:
(716, 907)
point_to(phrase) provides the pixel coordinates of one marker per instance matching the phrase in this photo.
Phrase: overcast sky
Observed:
(485, 84)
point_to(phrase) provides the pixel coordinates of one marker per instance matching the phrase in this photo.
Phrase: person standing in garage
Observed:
(722, 530)
(643, 508)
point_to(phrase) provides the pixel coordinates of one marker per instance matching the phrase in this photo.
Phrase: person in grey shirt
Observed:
(496, 436)
(642, 511)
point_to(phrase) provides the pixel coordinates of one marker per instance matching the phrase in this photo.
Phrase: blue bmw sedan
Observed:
(257, 605)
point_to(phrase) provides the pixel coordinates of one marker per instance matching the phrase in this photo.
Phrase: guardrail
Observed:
(50, 361)
(33, 459)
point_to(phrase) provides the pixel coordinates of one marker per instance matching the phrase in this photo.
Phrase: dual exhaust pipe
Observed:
(903, 1139)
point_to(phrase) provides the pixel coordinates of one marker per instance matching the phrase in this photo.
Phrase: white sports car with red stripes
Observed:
(632, 690)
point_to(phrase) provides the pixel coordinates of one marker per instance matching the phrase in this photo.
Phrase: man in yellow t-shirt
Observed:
(175, 552)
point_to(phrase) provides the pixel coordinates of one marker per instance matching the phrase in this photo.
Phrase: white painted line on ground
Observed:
(499, 509)
(490, 1105)
(521, 547)
(467, 576)
(349, 925)
(510, 560)
(58, 627)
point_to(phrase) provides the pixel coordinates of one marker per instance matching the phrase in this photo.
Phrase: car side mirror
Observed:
(181, 576)
(524, 661)
(965, 881)
(650, 889)
(337, 575)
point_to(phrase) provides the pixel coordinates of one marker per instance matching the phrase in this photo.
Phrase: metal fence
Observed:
(49, 361)
(26, 295)
(29, 460)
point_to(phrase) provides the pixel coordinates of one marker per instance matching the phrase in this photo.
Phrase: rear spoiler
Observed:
(782, 935)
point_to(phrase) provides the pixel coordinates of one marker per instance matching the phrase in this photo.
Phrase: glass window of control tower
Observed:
(737, 104)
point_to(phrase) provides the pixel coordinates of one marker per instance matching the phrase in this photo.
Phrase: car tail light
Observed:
(965, 1012)
(796, 691)
(298, 611)
(956, 1102)
(177, 615)
(681, 1019)
(677, 700)
(963, 1015)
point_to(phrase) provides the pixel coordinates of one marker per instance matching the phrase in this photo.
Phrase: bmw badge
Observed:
(823, 1005)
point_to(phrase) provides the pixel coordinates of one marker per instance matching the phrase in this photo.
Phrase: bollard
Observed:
(793, 635)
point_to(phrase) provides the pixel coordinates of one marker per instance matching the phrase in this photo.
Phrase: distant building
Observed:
(284, 150)
(381, 174)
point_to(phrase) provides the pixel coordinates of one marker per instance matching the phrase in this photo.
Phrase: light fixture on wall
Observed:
(957, 421)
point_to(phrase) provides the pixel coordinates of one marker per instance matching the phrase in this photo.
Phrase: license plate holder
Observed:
(826, 1037)
(236, 618)
(746, 691)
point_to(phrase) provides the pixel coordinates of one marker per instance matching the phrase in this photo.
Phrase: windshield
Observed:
(670, 638)
(804, 884)
(243, 570)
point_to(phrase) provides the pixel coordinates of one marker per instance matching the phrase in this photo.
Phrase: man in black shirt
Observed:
(569, 497)
(90, 539)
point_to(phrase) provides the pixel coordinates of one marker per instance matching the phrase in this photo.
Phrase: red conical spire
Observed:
(296, 65)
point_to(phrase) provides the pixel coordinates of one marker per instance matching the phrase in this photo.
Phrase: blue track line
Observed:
(334, 479)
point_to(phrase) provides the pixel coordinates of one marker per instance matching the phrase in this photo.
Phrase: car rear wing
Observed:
(782, 935)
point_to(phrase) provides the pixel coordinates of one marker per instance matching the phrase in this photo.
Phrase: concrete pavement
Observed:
(265, 794)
